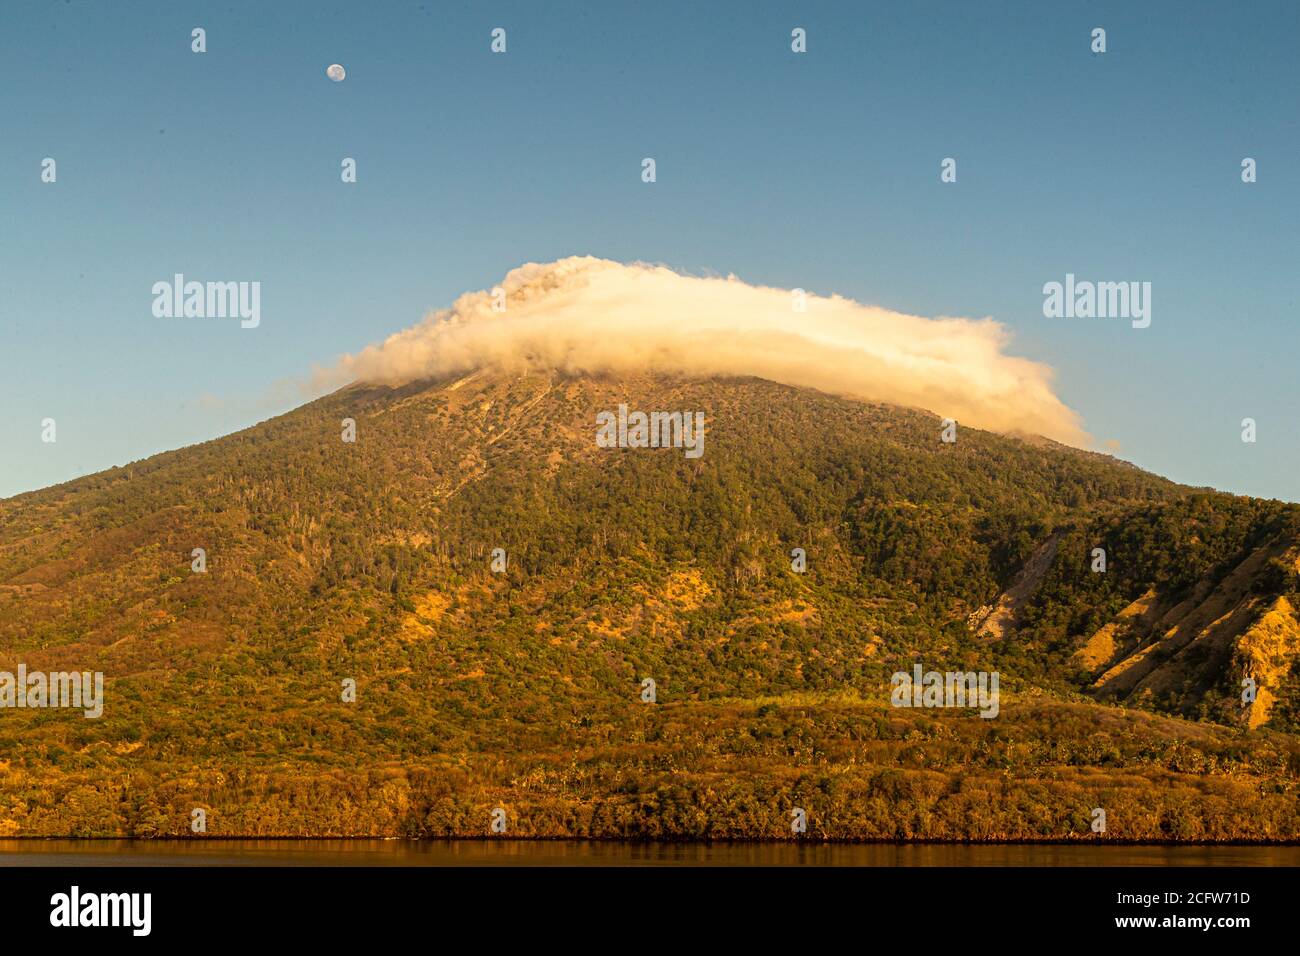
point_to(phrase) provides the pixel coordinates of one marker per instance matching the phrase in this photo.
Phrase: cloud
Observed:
(584, 314)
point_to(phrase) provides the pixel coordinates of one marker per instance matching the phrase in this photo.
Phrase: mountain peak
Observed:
(586, 315)
(469, 552)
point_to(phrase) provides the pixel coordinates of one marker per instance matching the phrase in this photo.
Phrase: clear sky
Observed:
(818, 170)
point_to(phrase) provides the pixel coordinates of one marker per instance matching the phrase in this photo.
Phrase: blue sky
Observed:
(818, 170)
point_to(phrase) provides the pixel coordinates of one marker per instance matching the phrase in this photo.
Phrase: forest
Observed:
(330, 561)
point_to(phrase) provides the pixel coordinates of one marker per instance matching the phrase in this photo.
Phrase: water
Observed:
(600, 853)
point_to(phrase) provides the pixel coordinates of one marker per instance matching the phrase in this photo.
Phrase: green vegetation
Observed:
(370, 561)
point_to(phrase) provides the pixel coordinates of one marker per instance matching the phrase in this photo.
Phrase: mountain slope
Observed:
(372, 561)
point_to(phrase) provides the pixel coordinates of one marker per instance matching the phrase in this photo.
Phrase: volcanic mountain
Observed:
(415, 604)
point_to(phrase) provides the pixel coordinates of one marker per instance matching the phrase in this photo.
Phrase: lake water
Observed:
(600, 853)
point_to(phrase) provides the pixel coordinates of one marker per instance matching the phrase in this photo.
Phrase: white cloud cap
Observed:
(584, 314)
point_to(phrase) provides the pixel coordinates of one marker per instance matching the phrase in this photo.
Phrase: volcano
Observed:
(400, 608)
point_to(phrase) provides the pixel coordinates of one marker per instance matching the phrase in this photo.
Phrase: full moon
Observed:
(336, 72)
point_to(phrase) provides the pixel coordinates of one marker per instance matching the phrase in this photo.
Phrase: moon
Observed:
(336, 72)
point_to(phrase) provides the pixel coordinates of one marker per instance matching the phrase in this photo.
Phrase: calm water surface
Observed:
(597, 853)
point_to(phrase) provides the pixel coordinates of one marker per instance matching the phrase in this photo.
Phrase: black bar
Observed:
(660, 906)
